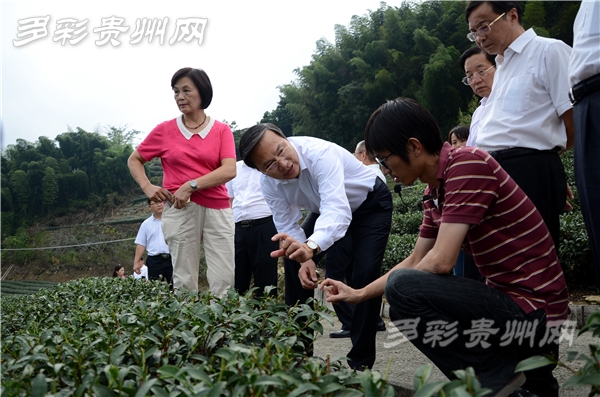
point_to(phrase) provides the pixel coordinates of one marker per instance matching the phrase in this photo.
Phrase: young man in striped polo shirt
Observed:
(472, 203)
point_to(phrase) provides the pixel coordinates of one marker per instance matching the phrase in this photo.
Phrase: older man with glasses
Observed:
(528, 119)
(350, 212)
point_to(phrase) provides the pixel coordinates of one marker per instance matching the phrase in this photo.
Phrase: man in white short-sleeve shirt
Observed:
(150, 238)
(254, 228)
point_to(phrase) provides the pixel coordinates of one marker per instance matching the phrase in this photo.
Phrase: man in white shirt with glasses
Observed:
(349, 207)
(528, 120)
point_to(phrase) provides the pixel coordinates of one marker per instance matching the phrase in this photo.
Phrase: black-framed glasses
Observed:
(381, 161)
(480, 74)
(483, 29)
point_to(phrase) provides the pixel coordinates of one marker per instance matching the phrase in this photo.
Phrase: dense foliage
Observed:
(115, 337)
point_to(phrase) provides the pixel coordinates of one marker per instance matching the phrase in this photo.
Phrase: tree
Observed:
(49, 188)
(20, 187)
(439, 88)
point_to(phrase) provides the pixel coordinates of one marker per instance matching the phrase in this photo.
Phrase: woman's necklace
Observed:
(193, 128)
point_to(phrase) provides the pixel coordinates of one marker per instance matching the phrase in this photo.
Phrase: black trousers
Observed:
(587, 169)
(159, 266)
(368, 231)
(253, 247)
(541, 175)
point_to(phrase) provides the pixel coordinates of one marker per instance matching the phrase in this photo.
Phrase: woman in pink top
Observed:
(198, 157)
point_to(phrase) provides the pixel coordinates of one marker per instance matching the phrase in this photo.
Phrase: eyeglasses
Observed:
(381, 161)
(272, 168)
(483, 29)
(480, 74)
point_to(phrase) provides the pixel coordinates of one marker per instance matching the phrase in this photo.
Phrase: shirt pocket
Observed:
(517, 94)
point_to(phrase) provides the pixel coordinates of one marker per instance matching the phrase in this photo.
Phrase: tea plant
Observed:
(114, 337)
(589, 374)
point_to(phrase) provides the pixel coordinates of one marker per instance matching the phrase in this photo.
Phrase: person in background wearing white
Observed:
(367, 159)
(479, 67)
(150, 237)
(254, 228)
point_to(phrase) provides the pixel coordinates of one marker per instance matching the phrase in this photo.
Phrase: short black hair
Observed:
(395, 122)
(497, 6)
(149, 201)
(461, 132)
(200, 80)
(252, 136)
(474, 51)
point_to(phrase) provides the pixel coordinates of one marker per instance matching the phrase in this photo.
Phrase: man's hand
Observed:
(336, 291)
(308, 275)
(137, 266)
(291, 248)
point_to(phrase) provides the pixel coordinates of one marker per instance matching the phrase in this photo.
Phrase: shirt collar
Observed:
(188, 135)
(520, 42)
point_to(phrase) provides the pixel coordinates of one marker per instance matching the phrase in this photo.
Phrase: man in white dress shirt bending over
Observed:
(346, 201)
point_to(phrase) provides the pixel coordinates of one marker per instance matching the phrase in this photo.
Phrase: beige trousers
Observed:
(184, 229)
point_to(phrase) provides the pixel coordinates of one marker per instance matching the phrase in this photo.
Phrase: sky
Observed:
(248, 48)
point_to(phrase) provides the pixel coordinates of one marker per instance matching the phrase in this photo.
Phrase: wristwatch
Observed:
(313, 246)
(193, 184)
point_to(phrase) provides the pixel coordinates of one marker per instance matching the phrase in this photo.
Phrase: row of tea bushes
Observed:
(115, 337)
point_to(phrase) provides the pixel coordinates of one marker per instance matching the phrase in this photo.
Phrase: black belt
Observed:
(165, 256)
(584, 88)
(254, 222)
(516, 152)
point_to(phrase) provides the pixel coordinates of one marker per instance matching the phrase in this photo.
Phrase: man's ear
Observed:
(414, 147)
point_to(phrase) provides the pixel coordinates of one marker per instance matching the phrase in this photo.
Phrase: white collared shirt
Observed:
(585, 58)
(528, 97)
(248, 203)
(475, 119)
(375, 167)
(188, 135)
(151, 236)
(332, 183)
(143, 273)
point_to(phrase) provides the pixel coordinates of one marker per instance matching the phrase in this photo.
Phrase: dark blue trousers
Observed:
(369, 231)
(587, 169)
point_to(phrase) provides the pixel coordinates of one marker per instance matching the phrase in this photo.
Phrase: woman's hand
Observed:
(182, 196)
(157, 193)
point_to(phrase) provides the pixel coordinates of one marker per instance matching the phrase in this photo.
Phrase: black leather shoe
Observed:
(380, 326)
(339, 334)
